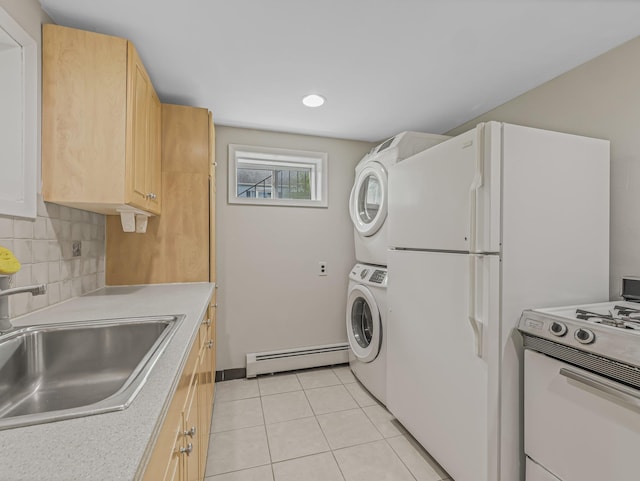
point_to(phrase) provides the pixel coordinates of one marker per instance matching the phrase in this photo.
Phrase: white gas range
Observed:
(582, 392)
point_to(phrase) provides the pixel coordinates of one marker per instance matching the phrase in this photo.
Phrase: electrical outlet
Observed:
(322, 268)
(76, 249)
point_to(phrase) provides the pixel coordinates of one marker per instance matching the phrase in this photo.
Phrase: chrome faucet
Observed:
(5, 292)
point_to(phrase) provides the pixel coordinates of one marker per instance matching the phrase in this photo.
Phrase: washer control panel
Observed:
(369, 275)
(378, 276)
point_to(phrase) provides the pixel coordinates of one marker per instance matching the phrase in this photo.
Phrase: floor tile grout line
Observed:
(266, 434)
(278, 393)
(344, 383)
(237, 470)
(320, 414)
(317, 421)
(297, 457)
(243, 427)
(374, 424)
(212, 433)
(332, 412)
(289, 420)
(238, 429)
(423, 453)
(333, 454)
(390, 447)
(304, 456)
(238, 399)
(401, 460)
(419, 454)
(285, 420)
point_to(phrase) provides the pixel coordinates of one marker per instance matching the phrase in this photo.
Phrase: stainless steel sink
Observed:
(62, 371)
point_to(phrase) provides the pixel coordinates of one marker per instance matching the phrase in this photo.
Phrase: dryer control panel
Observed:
(369, 275)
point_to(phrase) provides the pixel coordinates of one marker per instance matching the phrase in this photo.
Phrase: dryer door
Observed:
(368, 202)
(364, 327)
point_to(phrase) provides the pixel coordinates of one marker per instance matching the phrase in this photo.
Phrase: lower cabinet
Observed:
(180, 452)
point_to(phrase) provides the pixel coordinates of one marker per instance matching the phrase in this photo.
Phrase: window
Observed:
(268, 176)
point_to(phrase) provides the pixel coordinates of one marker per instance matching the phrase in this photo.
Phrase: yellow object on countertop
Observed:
(8, 262)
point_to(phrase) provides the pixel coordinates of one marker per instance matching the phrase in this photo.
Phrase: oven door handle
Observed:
(622, 393)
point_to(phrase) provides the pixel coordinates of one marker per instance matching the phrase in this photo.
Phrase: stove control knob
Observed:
(584, 336)
(558, 329)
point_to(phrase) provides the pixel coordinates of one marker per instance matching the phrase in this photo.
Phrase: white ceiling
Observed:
(383, 65)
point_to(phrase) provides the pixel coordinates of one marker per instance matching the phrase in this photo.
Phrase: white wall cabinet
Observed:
(18, 119)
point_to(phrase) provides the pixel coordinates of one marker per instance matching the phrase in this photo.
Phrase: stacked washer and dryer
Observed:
(367, 297)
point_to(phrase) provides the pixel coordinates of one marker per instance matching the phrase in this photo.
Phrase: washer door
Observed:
(368, 202)
(364, 327)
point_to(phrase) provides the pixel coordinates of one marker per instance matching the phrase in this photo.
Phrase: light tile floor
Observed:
(316, 425)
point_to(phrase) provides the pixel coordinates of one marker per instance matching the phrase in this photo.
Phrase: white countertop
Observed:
(111, 446)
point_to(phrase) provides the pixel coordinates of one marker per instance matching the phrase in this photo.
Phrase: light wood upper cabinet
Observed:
(153, 174)
(100, 123)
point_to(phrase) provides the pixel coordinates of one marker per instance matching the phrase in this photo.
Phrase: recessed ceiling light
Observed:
(313, 100)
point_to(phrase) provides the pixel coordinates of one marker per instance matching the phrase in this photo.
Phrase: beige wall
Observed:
(44, 245)
(601, 98)
(270, 295)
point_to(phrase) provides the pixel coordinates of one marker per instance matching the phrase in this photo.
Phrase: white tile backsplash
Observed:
(6, 228)
(40, 273)
(54, 271)
(23, 229)
(65, 290)
(44, 248)
(40, 228)
(40, 251)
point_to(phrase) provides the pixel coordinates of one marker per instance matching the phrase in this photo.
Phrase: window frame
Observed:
(318, 161)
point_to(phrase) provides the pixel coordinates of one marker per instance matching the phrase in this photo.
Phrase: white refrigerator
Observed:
(482, 226)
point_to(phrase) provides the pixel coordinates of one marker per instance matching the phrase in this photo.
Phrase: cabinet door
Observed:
(174, 468)
(173, 471)
(138, 96)
(153, 175)
(84, 117)
(191, 458)
(212, 361)
(205, 401)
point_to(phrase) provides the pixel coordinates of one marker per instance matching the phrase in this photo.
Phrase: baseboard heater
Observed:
(292, 359)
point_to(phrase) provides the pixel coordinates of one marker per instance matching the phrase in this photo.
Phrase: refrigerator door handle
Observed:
(476, 184)
(476, 324)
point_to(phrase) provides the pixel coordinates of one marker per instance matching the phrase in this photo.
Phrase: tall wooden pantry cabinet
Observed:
(179, 246)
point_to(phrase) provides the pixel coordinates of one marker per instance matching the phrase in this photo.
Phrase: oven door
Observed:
(580, 426)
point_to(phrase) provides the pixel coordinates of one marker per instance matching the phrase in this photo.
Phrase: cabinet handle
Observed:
(215, 305)
(207, 322)
(191, 432)
(152, 196)
(210, 344)
(187, 450)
